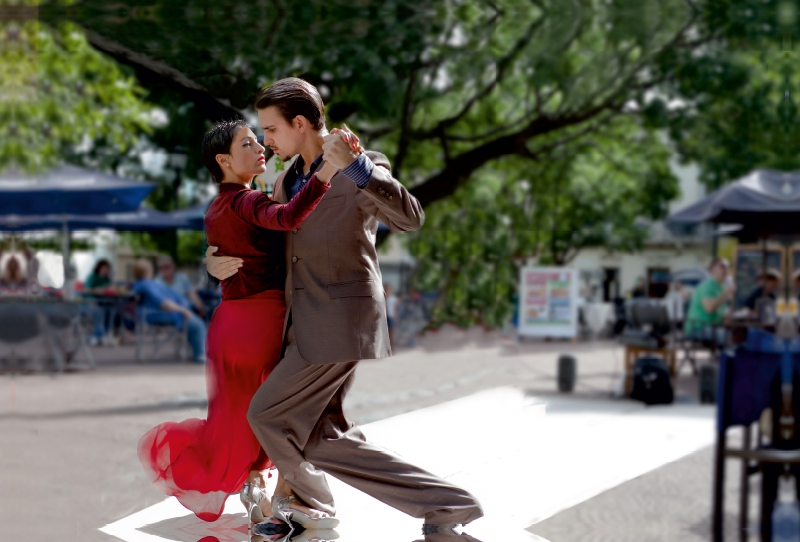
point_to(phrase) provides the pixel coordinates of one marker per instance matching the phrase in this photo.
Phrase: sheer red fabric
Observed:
(201, 462)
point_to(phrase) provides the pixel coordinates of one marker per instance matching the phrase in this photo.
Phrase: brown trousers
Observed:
(297, 416)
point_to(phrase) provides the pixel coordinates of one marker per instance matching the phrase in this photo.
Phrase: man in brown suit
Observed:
(336, 316)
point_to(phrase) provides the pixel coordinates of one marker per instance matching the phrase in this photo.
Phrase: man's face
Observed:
(166, 270)
(720, 271)
(282, 137)
(771, 284)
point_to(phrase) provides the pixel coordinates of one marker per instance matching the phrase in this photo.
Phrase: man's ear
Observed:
(300, 123)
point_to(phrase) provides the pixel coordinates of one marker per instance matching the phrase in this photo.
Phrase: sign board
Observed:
(548, 302)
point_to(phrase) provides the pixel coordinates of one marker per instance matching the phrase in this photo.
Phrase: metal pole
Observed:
(69, 287)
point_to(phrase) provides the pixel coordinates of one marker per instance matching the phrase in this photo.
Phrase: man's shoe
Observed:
(448, 528)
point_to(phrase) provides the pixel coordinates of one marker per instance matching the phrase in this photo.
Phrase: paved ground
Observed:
(67, 452)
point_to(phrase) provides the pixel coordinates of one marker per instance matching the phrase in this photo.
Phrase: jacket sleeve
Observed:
(259, 209)
(387, 200)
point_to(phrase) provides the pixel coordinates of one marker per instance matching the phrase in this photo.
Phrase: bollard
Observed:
(567, 373)
(707, 383)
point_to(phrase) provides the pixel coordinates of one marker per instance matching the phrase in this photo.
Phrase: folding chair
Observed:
(746, 381)
(63, 323)
(159, 329)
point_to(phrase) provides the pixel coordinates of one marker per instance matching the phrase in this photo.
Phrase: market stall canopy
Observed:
(69, 190)
(139, 220)
(194, 216)
(765, 203)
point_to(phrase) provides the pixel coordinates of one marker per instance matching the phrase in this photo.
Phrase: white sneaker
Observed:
(94, 341)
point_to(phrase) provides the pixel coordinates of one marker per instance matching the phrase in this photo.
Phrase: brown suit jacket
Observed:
(334, 290)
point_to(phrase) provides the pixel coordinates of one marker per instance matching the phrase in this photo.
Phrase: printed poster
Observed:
(548, 297)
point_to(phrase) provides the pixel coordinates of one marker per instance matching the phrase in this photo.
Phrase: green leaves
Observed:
(59, 93)
(593, 192)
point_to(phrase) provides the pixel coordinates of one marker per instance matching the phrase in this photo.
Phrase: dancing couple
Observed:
(302, 303)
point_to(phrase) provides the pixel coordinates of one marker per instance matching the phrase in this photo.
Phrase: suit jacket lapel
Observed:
(279, 190)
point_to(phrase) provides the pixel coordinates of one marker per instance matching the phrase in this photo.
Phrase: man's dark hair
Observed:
(292, 97)
(218, 140)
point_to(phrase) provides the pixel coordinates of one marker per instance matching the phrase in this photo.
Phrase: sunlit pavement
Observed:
(480, 412)
(524, 464)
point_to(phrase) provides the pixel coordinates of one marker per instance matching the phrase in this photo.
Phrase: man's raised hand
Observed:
(221, 267)
(340, 147)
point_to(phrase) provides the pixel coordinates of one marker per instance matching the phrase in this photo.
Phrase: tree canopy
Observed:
(525, 127)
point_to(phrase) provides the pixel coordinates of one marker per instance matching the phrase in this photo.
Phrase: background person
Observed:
(392, 304)
(179, 283)
(13, 276)
(97, 281)
(676, 303)
(156, 296)
(768, 286)
(99, 278)
(709, 303)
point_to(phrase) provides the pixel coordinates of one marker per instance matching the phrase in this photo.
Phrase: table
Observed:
(632, 353)
(24, 317)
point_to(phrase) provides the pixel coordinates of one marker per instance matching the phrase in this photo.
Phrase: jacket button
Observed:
(294, 231)
(294, 259)
(390, 197)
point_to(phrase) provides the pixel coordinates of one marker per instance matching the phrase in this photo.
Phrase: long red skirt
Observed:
(201, 462)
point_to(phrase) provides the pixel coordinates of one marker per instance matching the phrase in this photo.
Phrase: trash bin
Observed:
(567, 372)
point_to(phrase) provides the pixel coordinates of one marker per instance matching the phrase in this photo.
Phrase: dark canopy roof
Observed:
(765, 202)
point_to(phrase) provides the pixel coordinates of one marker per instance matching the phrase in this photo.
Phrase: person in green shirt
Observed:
(97, 281)
(709, 303)
(100, 278)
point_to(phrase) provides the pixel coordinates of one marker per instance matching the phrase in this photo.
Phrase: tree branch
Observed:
(405, 124)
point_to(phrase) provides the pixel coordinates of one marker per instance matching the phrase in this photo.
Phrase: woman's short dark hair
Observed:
(218, 140)
(293, 96)
(99, 264)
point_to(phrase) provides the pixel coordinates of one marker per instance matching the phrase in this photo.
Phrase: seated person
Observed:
(675, 301)
(156, 296)
(709, 303)
(769, 283)
(99, 279)
(796, 282)
(13, 279)
(179, 283)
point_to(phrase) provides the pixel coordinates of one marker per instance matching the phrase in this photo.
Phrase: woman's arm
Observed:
(257, 208)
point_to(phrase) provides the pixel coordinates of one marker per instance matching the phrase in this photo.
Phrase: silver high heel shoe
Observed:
(251, 496)
(319, 521)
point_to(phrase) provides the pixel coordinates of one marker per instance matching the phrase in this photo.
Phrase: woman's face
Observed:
(246, 159)
(103, 270)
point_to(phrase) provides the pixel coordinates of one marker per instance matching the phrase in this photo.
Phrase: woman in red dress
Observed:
(201, 462)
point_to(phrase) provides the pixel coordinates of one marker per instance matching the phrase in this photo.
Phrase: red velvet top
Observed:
(259, 242)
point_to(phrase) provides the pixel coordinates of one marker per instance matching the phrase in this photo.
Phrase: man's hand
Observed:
(340, 148)
(221, 267)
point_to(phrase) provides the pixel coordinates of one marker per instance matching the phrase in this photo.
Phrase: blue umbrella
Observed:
(69, 190)
(139, 220)
(194, 215)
